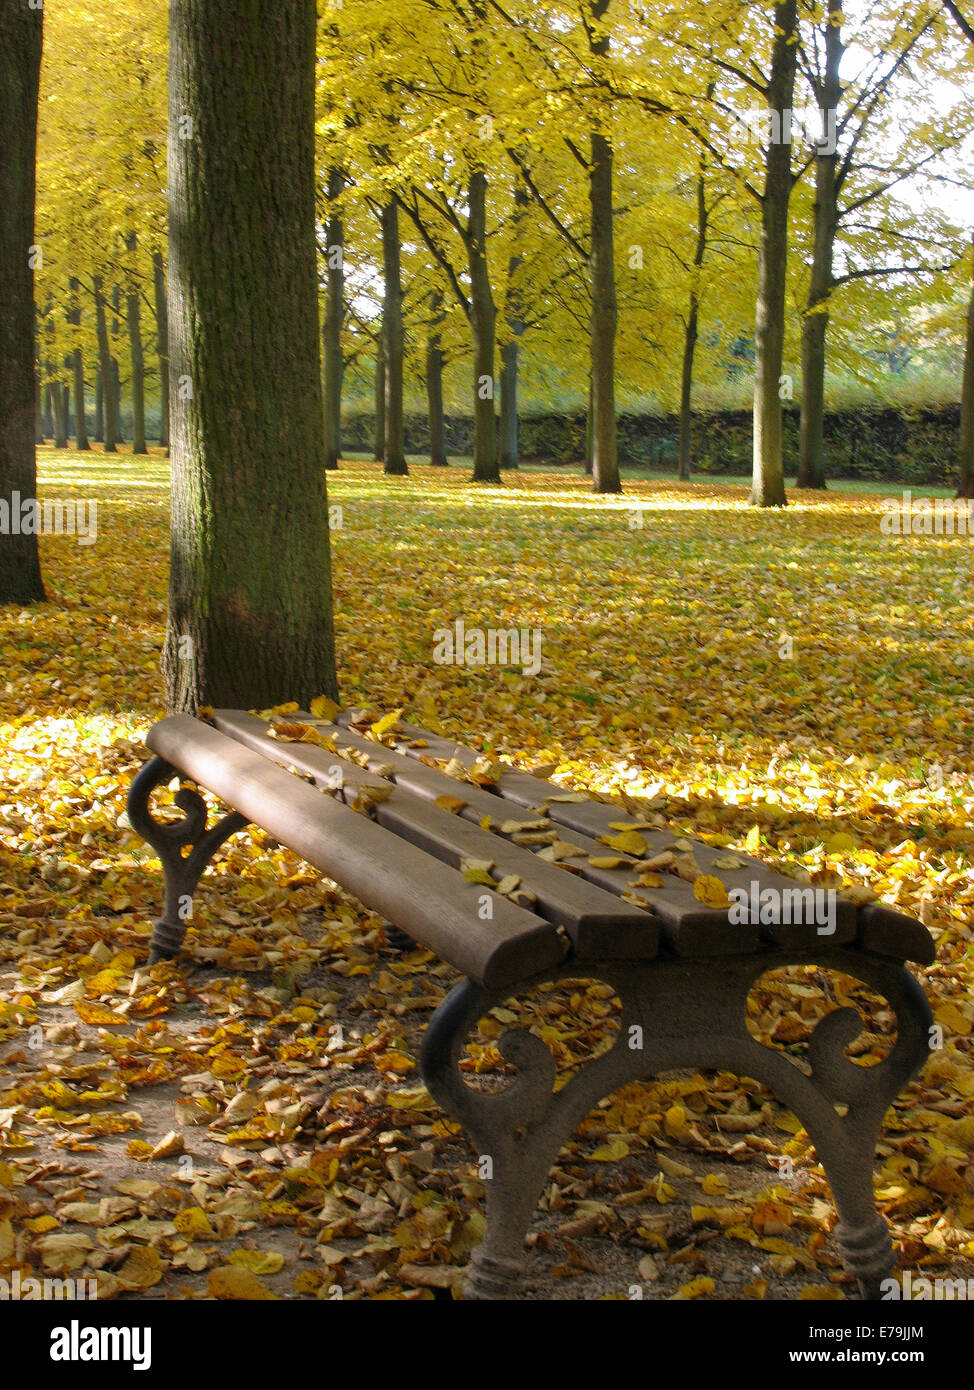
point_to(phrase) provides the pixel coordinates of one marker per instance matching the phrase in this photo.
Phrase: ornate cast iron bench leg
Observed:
(679, 1014)
(169, 839)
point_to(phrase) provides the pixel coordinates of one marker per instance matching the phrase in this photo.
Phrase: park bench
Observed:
(680, 969)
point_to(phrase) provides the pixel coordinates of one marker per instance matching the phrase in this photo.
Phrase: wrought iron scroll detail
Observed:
(690, 1013)
(170, 839)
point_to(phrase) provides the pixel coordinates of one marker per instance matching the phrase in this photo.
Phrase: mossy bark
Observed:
(250, 621)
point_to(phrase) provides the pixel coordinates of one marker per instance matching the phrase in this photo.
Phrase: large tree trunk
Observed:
(393, 340)
(483, 323)
(162, 345)
(379, 452)
(20, 63)
(250, 616)
(77, 362)
(966, 485)
(768, 487)
(138, 356)
(434, 383)
(331, 329)
(815, 324)
(105, 376)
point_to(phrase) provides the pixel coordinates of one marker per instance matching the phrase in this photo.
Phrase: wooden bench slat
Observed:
(429, 900)
(688, 928)
(873, 926)
(599, 924)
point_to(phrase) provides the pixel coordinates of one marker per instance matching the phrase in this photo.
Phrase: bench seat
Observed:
(429, 852)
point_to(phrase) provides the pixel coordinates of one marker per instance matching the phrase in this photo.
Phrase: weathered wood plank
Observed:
(598, 923)
(429, 900)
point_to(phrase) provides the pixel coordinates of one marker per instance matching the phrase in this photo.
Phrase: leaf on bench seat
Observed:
(627, 841)
(709, 890)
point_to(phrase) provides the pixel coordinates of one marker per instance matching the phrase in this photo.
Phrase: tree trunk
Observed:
(434, 383)
(380, 400)
(510, 352)
(815, 323)
(768, 487)
(20, 61)
(509, 431)
(38, 409)
(99, 409)
(116, 370)
(605, 313)
(134, 318)
(393, 340)
(966, 486)
(162, 345)
(589, 430)
(77, 363)
(686, 385)
(48, 410)
(331, 330)
(105, 376)
(250, 620)
(483, 323)
(60, 413)
(693, 320)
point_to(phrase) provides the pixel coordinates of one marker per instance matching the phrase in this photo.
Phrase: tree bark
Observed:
(250, 617)
(509, 453)
(162, 345)
(589, 430)
(605, 313)
(510, 352)
(99, 408)
(393, 340)
(48, 410)
(380, 399)
(116, 370)
(966, 484)
(77, 362)
(60, 412)
(768, 487)
(105, 375)
(21, 37)
(815, 323)
(138, 356)
(331, 330)
(483, 323)
(434, 383)
(692, 324)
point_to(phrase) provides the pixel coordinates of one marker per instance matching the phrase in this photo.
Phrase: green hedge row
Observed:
(883, 445)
